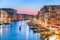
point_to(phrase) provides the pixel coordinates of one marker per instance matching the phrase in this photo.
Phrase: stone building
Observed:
(24, 17)
(11, 12)
(4, 17)
(7, 14)
(49, 15)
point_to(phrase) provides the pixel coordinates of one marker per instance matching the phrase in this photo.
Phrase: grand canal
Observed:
(12, 32)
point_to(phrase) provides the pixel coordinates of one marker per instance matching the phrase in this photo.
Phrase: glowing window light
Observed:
(53, 37)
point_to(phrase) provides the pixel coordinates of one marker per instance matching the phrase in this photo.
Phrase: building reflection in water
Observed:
(12, 32)
(1, 29)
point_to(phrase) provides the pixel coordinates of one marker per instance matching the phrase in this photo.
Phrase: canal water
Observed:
(18, 31)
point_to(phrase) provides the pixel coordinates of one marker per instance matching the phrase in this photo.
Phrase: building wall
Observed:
(50, 15)
(4, 17)
(24, 17)
(8, 14)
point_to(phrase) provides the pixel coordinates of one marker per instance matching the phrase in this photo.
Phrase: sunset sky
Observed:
(27, 6)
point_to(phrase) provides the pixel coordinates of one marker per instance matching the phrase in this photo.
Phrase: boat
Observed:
(20, 28)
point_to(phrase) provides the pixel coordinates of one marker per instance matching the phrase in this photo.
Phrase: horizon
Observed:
(27, 6)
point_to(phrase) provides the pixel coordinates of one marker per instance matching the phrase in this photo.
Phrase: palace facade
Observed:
(49, 15)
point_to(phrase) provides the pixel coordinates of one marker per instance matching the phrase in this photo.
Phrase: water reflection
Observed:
(12, 32)
(0, 30)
